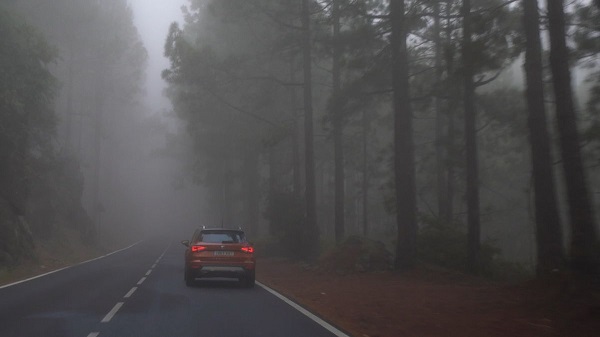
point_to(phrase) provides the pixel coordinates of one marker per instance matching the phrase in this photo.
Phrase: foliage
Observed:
(285, 213)
(26, 91)
(444, 245)
(356, 254)
(27, 124)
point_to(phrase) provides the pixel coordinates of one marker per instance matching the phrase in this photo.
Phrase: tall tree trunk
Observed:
(338, 126)
(583, 233)
(439, 128)
(548, 231)
(472, 171)
(69, 112)
(365, 180)
(295, 132)
(311, 229)
(251, 188)
(448, 214)
(404, 157)
(98, 120)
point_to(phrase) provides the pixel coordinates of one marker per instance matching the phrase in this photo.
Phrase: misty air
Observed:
(299, 168)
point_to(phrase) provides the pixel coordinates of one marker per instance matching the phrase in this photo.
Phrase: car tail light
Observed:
(248, 249)
(198, 248)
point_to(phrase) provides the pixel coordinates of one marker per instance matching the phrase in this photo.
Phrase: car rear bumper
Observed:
(220, 271)
(216, 270)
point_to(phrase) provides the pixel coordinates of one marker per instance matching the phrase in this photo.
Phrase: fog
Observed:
(152, 19)
(283, 120)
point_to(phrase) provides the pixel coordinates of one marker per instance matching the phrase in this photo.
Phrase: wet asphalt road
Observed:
(139, 291)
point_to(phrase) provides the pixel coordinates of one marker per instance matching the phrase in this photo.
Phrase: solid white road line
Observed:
(93, 334)
(130, 292)
(112, 313)
(307, 313)
(57, 270)
(141, 281)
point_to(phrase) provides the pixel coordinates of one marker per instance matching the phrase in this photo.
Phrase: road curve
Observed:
(139, 291)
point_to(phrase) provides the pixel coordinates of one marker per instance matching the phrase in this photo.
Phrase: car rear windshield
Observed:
(222, 237)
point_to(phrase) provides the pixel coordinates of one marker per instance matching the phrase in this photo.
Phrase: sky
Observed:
(152, 18)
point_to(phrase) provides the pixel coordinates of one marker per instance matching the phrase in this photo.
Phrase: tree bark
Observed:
(365, 180)
(296, 167)
(583, 232)
(448, 214)
(251, 187)
(550, 254)
(311, 230)
(472, 171)
(338, 125)
(404, 159)
(439, 116)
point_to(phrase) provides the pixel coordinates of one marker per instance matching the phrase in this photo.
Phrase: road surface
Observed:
(139, 291)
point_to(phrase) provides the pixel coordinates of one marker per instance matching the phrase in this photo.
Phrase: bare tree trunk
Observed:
(311, 229)
(583, 232)
(251, 188)
(548, 231)
(439, 129)
(98, 120)
(295, 136)
(473, 220)
(365, 180)
(404, 157)
(69, 112)
(338, 126)
(448, 214)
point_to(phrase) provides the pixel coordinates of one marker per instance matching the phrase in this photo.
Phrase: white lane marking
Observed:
(77, 264)
(112, 313)
(93, 334)
(148, 272)
(154, 266)
(130, 292)
(307, 313)
(141, 281)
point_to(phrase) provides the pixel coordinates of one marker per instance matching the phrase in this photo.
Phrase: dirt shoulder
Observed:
(434, 303)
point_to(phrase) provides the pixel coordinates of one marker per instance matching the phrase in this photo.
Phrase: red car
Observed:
(219, 252)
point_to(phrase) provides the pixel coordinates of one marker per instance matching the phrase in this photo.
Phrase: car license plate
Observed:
(223, 253)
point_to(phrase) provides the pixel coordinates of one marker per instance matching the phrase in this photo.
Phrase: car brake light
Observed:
(198, 248)
(248, 249)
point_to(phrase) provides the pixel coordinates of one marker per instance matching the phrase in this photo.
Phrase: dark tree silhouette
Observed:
(312, 231)
(473, 219)
(583, 234)
(548, 231)
(404, 152)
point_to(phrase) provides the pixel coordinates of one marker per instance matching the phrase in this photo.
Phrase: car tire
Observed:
(189, 279)
(250, 279)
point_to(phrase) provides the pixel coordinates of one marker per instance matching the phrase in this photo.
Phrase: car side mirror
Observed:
(185, 243)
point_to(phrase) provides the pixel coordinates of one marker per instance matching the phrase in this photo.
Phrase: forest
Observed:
(463, 133)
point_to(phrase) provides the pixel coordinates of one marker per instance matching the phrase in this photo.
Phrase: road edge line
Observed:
(328, 326)
(67, 267)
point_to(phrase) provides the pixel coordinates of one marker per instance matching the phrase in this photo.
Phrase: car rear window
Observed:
(222, 237)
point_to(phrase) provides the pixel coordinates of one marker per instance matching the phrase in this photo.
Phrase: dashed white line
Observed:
(112, 313)
(93, 334)
(130, 292)
(154, 266)
(141, 281)
(148, 272)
